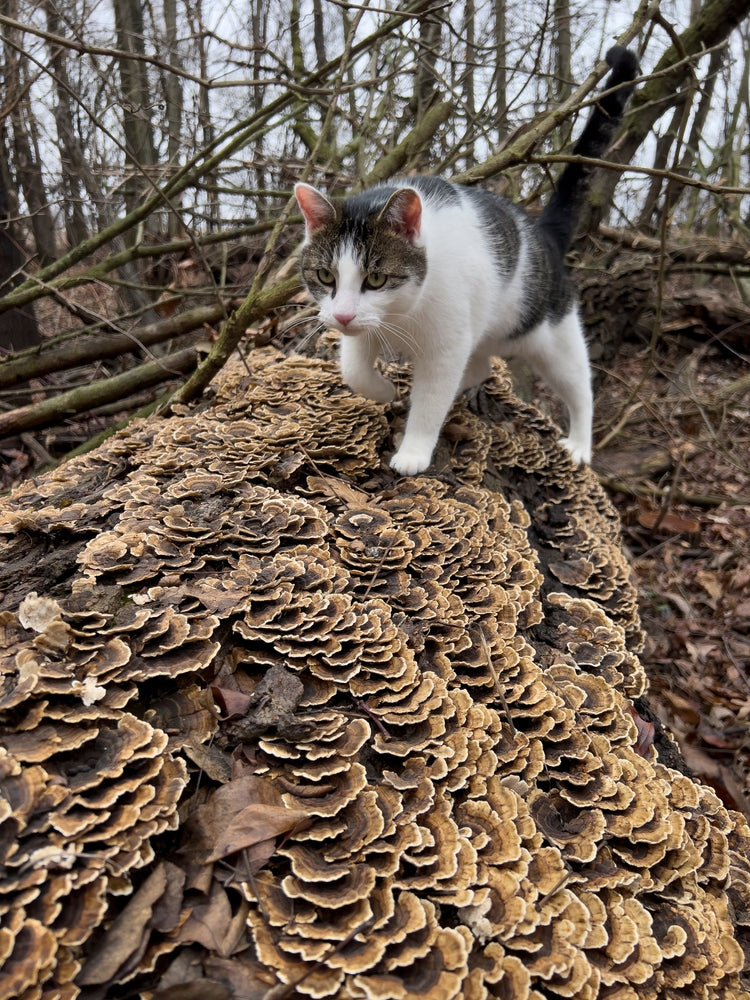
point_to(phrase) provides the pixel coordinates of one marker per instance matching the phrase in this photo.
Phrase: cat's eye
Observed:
(376, 279)
(326, 277)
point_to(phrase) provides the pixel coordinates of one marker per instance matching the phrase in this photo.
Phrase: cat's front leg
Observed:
(477, 371)
(434, 388)
(358, 356)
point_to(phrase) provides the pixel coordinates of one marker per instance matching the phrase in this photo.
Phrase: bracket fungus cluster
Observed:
(278, 723)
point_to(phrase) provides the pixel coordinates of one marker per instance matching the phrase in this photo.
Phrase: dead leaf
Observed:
(646, 731)
(681, 604)
(700, 762)
(687, 709)
(234, 704)
(168, 908)
(711, 584)
(127, 937)
(244, 812)
(254, 825)
(212, 923)
(208, 922)
(248, 979)
(337, 489)
(212, 760)
(714, 738)
(669, 523)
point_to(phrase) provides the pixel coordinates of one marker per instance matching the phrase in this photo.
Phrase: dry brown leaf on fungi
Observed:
(245, 814)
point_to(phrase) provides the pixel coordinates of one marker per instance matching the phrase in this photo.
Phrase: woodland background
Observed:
(147, 153)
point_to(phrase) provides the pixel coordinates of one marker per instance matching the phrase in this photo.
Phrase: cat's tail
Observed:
(560, 217)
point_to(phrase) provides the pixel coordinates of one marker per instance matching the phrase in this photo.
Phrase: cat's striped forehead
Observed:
(360, 236)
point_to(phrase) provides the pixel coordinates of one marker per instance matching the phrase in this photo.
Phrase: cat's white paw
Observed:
(411, 459)
(580, 453)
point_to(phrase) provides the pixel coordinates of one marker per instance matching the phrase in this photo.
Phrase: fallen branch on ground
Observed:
(40, 361)
(68, 404)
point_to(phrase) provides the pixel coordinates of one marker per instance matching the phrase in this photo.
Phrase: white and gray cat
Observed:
(450, 276)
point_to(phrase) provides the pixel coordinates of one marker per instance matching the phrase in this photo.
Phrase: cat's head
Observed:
(363, 258)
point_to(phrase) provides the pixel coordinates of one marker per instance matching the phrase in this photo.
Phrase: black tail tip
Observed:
(624, 64)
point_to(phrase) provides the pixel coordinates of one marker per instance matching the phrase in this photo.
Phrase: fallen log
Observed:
(68, 404)
(17, 369)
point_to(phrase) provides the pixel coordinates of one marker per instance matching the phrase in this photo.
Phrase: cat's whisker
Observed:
(386, 350)
(411, 344)
(298, 321)
(310, 336)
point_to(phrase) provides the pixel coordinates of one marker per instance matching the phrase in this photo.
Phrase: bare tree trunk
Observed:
(205, 119)
(691, 147)
(23, 127)
(563, 82)
(259, 28)
(174, 101)
(136, 99)
(18, 327)
(319, 34)
(309, 134)
(72, 161)
(730, 153)
(501, 71)
(426, 81)
(468, 78)
(661, 159)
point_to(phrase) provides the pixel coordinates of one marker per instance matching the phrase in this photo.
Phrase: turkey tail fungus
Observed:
(278, 723)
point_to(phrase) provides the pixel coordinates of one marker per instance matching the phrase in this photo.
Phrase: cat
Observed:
(450, 276)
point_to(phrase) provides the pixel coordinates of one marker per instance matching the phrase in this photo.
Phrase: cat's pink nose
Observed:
(344, 318)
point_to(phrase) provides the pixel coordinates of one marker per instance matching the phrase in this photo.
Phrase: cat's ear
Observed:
(316, 208)
(403, 213)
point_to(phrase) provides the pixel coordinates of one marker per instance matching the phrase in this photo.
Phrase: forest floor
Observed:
(673, 450)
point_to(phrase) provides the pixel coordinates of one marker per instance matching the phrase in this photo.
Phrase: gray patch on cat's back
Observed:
(500, 220)
(549, 290)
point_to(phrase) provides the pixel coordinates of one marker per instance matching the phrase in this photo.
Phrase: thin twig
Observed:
(497, 686)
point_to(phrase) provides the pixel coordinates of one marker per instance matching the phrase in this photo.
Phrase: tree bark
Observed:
(563, 82)
(205, 120)
(319, 34)
(468, 78)
(28, 168)
(18, 327)
(426, 81)
(136, 97)
(174, 101)
(72, 161)
(500, 77)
